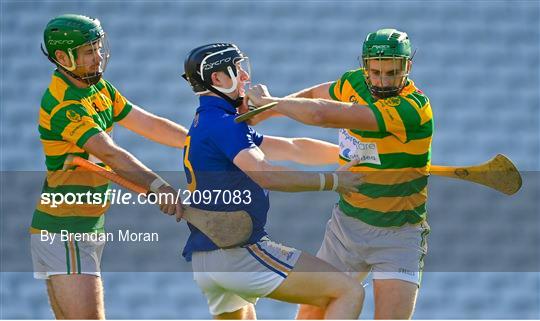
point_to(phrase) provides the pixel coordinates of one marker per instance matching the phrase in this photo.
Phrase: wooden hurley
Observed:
(253, 112)
(225, 229)
(498, 173)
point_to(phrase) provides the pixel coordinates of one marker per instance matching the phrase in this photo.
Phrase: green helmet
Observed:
(387, 44)
(67, 32)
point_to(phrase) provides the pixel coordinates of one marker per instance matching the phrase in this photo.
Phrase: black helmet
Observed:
(202, 61)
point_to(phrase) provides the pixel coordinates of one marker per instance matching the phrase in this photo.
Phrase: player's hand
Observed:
(179, 212)
(169, 203)
(257, 118)
(242, 109)
(348, 182)
(247, 105)
(258, 95)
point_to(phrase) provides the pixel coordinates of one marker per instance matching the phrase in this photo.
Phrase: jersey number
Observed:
(190, 175)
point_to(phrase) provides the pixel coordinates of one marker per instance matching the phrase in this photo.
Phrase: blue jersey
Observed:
(213, 141)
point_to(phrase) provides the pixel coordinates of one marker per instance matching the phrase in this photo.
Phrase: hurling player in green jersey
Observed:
(76, 118)
(386, 124)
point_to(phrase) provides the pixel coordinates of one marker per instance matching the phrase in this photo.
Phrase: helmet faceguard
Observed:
(386, 57)
(201, 62)
(391, 83)
(76, 35)
(224, 60)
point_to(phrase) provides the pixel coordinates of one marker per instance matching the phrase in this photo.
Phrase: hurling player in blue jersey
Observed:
(229, 162)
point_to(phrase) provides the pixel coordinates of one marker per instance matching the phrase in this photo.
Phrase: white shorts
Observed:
(357, 248)
(233, 278)
(65, 257)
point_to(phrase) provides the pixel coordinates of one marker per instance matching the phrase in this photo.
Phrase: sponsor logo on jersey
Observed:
(352, 148)
(392, 101)
(72, 132)
(73, 116)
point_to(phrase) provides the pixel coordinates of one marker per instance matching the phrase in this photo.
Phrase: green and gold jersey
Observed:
(68, 117)
(395, 159)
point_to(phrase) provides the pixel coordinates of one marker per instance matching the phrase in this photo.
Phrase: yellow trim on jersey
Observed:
(388, 176)
(62, 105)
(120, 102)
(74, 131)
(392, 120)
(75, 177)
(348, 87)
(45, 118)
(387, 204)
(58, 88)
(34, 230)
(337, 92)
(105, 95)
(409, 89)
(59, 147)
(426, 114)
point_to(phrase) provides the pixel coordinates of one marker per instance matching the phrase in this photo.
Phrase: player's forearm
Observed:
(309, 151)
(126, 165)
(283, 179)
(325, 113)
(166, 132)
(252, 162)
(264, 116)
(129, 167)
(309, 111)
(155, 128)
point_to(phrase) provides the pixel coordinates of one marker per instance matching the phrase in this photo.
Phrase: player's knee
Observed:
(349, 288)
(357, 291)
(310, 312)
(352, 292)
